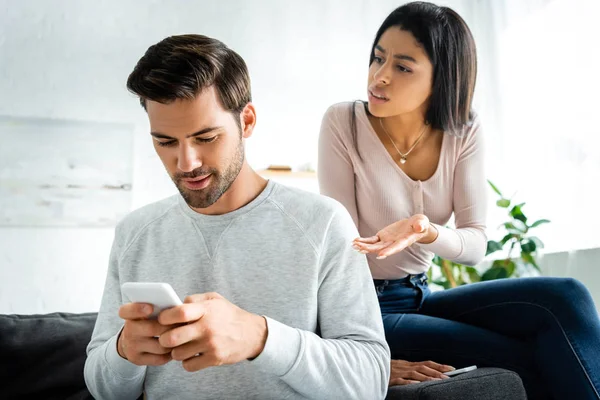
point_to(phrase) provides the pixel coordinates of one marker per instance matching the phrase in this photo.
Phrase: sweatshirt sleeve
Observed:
(107, 375)
(467, 243)
(335, 169)
(350, 359)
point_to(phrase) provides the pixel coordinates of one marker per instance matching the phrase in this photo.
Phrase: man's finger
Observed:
(151, 346)
(200, 362)
(147, 328)
(197, 298)
(135, 311)
(190, 350)
(181, 335)
(153, 360)
(182, 314)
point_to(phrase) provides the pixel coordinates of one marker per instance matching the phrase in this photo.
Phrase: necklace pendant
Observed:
(402, 160)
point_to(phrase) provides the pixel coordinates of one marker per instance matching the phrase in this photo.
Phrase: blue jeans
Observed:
(545, 329)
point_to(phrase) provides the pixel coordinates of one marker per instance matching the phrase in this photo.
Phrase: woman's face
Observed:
(401, 75)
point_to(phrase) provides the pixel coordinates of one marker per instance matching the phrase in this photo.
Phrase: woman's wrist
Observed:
(431, 235)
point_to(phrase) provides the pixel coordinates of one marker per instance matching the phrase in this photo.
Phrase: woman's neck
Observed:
(405, 129)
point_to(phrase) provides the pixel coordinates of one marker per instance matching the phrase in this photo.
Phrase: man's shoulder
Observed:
(297, 201)
(136, 221)
(313, 212)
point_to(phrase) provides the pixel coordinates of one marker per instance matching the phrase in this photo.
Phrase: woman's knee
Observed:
(566, 291)
(570, 288)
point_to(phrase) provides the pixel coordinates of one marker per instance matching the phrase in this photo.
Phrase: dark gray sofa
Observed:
(42, 357)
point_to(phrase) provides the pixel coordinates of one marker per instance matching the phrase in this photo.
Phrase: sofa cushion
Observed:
(483, 383)
(43, 355)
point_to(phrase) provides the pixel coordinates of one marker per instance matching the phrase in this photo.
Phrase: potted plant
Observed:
(520, 258)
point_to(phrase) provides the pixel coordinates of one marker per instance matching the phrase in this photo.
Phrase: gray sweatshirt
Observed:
(287, 255)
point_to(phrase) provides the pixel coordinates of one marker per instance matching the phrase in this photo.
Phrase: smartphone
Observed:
(461, 371)
(160, 295)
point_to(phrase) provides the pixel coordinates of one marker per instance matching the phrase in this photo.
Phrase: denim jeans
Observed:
(545, 329)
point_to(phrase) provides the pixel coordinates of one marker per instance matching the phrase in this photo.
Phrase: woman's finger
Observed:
(371, 248)
(418, 376)
(394, 248)
(419, 223)
(419, 226)
(438, 367)
(369, 240)
(401, 382)
(425, 370)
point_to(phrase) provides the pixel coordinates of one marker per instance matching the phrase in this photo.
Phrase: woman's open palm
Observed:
(395, 237)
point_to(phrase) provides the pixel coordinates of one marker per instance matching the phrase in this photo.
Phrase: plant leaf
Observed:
(495, 188)
(538, 243)
(528, 258)
(506, 238)
(494, 273)
(539, 222)
(473, 274)
(528, 246)
(519, 225)
(517, 213)
(510, 267)
(516, 227)
(492, 247)
(504, 203)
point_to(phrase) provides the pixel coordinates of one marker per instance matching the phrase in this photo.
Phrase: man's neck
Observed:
(246, 187)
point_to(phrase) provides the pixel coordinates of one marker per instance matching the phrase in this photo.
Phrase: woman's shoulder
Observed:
(342, 119)
(469, 132)
(468, 138)
(340, 111)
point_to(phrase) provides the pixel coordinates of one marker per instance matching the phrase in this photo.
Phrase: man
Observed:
(277, 299)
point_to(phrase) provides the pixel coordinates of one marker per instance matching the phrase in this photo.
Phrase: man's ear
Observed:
(248, 120)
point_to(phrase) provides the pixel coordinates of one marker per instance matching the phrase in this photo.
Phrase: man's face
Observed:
(200, 145)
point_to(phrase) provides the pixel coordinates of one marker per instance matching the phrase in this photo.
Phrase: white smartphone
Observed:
(461, 371)
(160, 295)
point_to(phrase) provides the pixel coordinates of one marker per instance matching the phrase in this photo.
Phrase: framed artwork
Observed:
(60, 173)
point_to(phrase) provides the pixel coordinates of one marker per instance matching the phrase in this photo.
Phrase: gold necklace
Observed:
(403, 155)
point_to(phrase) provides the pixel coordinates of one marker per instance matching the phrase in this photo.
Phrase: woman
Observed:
(413, 154)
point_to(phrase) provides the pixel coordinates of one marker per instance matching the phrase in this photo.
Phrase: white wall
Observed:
(69, 59)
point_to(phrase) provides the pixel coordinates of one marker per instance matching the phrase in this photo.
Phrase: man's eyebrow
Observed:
(204, 131)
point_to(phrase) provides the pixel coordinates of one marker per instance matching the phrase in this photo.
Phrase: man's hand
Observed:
(138, 342)
(216, 332)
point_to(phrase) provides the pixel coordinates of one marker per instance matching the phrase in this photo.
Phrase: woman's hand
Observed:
(396, 237)
(406, 372)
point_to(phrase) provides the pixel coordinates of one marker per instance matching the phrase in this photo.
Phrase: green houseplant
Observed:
(518, 247)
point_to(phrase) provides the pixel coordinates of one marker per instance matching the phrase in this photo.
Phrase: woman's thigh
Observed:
(416, 337)
(517, 308)
(454, 343)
